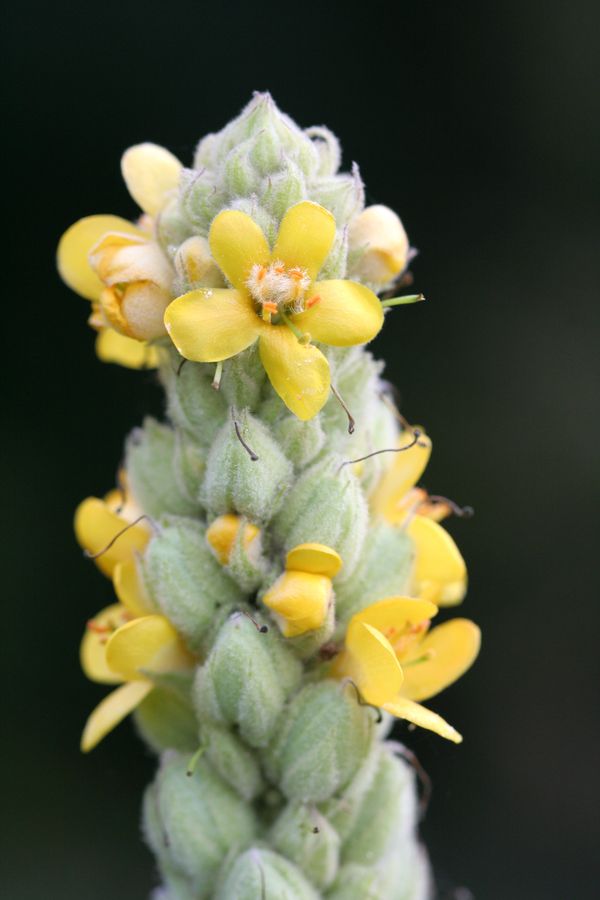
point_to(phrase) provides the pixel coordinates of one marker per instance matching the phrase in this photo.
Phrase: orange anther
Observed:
(92, 625)
(269, 306)
(261, 273)
(312, 301)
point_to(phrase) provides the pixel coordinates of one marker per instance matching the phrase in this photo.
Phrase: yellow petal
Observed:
(423, 717)
(75, 245)
(316, 558)
(129, 587)
(92, 652)
(112, 347)
(404, 472)
(212, 324)
(151, 173)
(237, 243)
(299, 601)
(96, 525)
(222, 534)
(447, 652)
(440, 572)
(150, 643)
(143, 308)
(113, 710)
(121, 259)
(343, 313)
(380, 235)
(298, 372)
(396, 613)
(305, 238)
(370, 661)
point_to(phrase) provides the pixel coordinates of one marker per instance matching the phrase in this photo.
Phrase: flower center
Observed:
(278, 288)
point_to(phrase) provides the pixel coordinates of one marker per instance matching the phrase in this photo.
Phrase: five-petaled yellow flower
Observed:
(276, 299)
(439, 571)
(395, 661)
(301, 597)
(126, 644)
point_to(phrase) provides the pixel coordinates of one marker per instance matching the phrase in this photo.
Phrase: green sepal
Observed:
(261, 873)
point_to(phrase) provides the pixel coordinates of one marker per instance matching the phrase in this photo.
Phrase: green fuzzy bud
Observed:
(246, 565)
(342, 810)
(387, 815)
(243, 379)
(300, 441)
(246, 679)
(192, 402)
(232, 760)
(383, 570)
(150, 452)
(329, 151)
(323, 739)
(200, 821)
(239, 177)
(326, 505)
(261, 873)
(201, 199)
(284, 189)
(234, 482)
(185, 580)
(342, 195)
(402, 875)
(306, 837)
(173, 227)
(166, 721)
(189, 464)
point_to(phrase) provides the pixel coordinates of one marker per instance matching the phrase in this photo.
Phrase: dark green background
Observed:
(479, 123)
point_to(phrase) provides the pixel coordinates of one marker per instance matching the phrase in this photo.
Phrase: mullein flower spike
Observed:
(275, 568)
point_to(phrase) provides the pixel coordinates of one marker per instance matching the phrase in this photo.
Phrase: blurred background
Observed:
(479, 123)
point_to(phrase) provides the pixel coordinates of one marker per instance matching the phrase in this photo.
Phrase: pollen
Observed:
(276, 287)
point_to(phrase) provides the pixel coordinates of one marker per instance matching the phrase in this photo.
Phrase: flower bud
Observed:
(192, 402)
(342, 195)
(193, 821)
(300, 441)
(232, 760)
(236, 544)
(387, 815)
(328, 149)
(166, 721)
(189, 465)
(149, 455)
(186, 581)
(195, 266)
(322, 741)
(234, 482)
(303, 835)
(285, 188)
(261, 873)
(402, 875)
(384, 570)
(243, 379)
(379, 240)
(326, 506)
(246, 679)
(201, 199)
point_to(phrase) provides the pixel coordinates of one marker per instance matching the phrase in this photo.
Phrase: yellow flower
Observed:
(395, 661)
(439, 572)
(97, 523)
(302, 595)
(275, 299)
(123, 645)
(116, 264)
(222, 535)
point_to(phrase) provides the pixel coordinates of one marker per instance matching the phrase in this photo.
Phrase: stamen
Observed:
(238, 432)
(312, 301)
(351, 421)
(463, 512)
(302, 337)
(415, 440)
(216, 382)
(262, 629)
(118, 535)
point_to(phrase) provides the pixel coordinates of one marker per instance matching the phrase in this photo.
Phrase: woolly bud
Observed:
(321, 742)
(326, 506)
(186, 581)
(284, 189)
(195, 266)
(232, 760)
(246, 679)
(261, 873)
(189, 464)
(379, 242)
(387, 814)
(300, 441)
(403, 875)
(235, 481)
(193, 821)
(243, 379)
(328, 149)
(192, 402)
(149, 463)
(306, 837)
